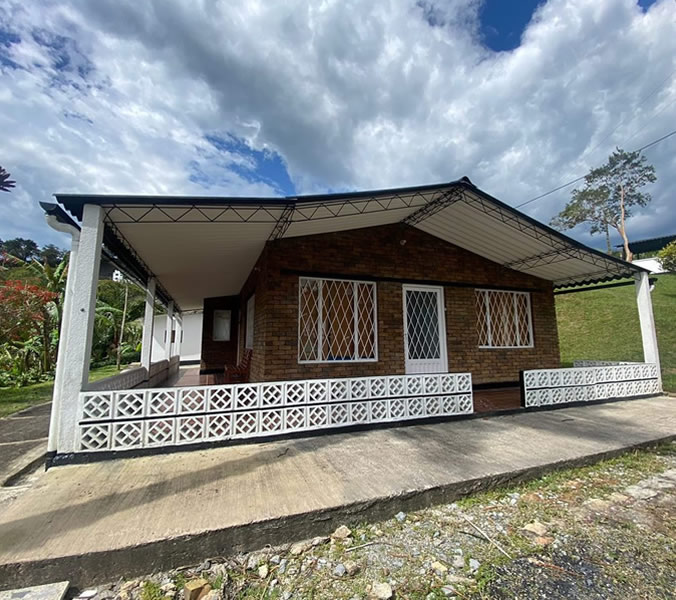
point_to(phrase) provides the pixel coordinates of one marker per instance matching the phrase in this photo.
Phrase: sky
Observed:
(273, 99)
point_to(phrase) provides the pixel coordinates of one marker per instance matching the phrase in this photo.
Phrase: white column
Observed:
(647, 320)
(179, 334)
(66, 308)
(148, 321)
(169, 327)
(77, 345)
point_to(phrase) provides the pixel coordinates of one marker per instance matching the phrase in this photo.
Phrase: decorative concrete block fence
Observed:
(543, 387)
(152, 418)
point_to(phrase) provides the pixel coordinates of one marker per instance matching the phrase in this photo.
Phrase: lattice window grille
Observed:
(504, 319)
(337, 320)
(160, 432)
(128, 434)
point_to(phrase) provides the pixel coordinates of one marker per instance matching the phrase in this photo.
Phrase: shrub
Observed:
(667, 257)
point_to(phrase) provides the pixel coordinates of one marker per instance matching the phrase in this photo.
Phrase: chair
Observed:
(239, 373)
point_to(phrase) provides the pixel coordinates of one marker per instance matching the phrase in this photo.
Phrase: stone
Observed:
(535, 528)
(458, 562)
(448, 590)
(276, 559)
(597, 505)
(543, 540)
(194, 588)
(351, 567)
(640, 493)
(400, 516)
(205, 566)
(439, 568)
(341, 533)
(618, 498)
(474, 564)
(381, 591)
(300, 547)
(451, 578)
(50, 591)
(286, 595)
(88, 594)
(263, 571)
(319, 540)
(282, 566)
(212, 595)
(340, 570)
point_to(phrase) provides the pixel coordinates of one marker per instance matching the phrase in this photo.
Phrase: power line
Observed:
(565, 185)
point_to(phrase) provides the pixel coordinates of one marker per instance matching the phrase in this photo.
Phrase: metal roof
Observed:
(200, 247)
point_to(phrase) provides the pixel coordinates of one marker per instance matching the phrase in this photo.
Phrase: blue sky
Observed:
(173, 97)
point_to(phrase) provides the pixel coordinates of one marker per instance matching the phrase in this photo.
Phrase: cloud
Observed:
(262, 98)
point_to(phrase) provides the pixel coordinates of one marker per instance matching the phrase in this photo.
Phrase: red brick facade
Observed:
(392, 255)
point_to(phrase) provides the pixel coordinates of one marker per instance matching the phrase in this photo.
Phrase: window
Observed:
(248, 338)
(221, 329)
(504, 319)
(336, 320)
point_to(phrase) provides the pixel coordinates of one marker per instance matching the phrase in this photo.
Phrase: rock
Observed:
(88, 594)
(381, 591)
(474, 564)
(439, 568)
(253, 561)
(193, 589)
(544, 540)
(597, 505)
(286, 595)
(535, 528)
(276, 559)
(340, 570)
(169, 588)
(618, 498)
(263, 571)
(400, 516)
(282, 566)
(212, 595)
(351, 567)
(341, 533)
(300, 547)
(319, 540)
(448, 590)
(640, 493)
(451, 578)
(205, 566)
(458, 562)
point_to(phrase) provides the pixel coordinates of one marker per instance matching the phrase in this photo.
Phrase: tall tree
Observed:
(6, 183)
(51, 254)
(21, 248)
(609, 193)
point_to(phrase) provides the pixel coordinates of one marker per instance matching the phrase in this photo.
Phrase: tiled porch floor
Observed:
(503, 398)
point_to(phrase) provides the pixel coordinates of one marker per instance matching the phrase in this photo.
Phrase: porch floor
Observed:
(485, 400)
(96, 522)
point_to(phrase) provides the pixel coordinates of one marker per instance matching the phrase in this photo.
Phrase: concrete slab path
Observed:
(95, 522)
(23, 440)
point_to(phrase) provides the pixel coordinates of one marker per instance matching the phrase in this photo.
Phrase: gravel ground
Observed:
(606, 531)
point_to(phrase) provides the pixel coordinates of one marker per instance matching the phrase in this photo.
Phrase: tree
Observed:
(667, 257)
(51, 255)
(5, 182)
(608, 194)
(21, 248)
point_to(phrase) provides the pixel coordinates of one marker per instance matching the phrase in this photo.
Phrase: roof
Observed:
(649, 245)
(200, 247)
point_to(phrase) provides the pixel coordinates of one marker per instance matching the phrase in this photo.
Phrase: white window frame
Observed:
(514, 294)
(355, 332)
(213, 325)
(250, 320)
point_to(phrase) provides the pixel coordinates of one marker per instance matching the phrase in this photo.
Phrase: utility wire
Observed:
(565, 185)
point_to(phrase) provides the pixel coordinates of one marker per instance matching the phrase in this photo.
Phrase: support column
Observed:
(647, 320)
(169, 327)
(148, 322)
(66, 309)
(77, 346)
(179, 334)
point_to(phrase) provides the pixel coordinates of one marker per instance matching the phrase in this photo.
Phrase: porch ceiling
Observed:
(199, 247)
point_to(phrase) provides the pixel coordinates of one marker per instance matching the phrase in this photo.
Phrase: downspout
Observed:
(71, 229)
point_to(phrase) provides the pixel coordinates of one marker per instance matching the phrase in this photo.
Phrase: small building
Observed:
(332, 311)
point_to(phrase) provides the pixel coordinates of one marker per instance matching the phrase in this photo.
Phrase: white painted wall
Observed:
(652, 264)
(191, 348)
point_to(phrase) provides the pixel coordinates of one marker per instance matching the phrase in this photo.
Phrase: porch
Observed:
(99, 521)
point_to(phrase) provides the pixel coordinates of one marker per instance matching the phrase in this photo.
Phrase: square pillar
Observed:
(77, 345)
(169, 327)
(179, 334)
(148, 321)
(646, 318)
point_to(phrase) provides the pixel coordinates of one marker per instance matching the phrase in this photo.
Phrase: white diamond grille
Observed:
(503, 319)
(422, 325)
(336, 320)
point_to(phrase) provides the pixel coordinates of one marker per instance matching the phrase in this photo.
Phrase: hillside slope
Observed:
(603, 325)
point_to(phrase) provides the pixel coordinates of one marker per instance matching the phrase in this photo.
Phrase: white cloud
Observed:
(349, 94)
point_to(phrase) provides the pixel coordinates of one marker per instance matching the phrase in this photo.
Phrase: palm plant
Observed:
(6, 183)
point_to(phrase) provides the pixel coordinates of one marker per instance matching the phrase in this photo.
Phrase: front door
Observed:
(424, 330)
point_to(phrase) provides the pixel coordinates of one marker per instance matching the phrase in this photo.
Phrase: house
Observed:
(350, 309)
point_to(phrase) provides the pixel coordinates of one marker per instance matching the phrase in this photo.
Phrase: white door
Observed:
(424, 330)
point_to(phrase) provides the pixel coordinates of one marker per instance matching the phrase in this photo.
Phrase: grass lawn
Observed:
(15, 399)
(603, 325)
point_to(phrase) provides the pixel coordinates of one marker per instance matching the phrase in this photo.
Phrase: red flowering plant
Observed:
(23, 308)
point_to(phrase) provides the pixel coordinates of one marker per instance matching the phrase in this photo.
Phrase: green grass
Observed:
(603, 325)
(15, 399)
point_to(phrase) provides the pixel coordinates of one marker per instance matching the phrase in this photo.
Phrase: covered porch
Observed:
(351, 310)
